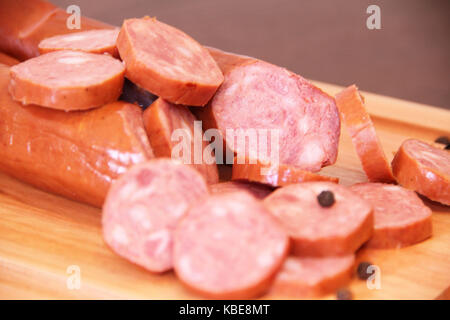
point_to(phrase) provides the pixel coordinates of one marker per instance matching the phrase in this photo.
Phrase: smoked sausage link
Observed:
(317, 229)
(400, 217)
(76, 154)
(423, 168)
(229, 247)
(167, 62)
(143, 208)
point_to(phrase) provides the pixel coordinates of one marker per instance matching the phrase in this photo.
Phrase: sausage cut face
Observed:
(261, 96)
(400, 217)
(339, 228)
(167, 62)
(229, 246)
(67, 80)
(143, 207)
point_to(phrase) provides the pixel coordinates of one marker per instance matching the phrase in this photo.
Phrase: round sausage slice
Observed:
(423, 168)
(67, 80)
(278, 108)
(259, 191)
(93, 41)
(400, 217)
(143, 207)
(363, 135)
(302, 277)
(229, 247)
(322, 218)
(171, 131)
(167, 62)
(275, 176)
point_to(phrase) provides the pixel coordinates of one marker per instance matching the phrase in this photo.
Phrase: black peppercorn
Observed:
(363, 272)
(344, 294)
(326, 198)
(443, 140)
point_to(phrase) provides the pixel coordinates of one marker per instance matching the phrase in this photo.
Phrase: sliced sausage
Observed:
(322, 218)
(259, 191)
(67, 80)
(7, 60)
(167, 62)
(363, 135)
(269, 101)
(400, 217)
(132, 93)
(93, 41)
(423, 168)
(143, 207)
(229, 247)
(74, 154)
(275, 175)
(24, 23)
(303, 277)
(162, 120)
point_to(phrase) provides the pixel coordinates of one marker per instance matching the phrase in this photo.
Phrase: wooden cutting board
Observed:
(43, 235)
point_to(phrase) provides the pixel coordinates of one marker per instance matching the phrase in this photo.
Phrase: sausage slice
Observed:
(423, 168)
(229, 247)
(275, 176)
(400, 217)
(67, 80)
(321, 227)
(167, 62)
(143, 207)
(272, 102)
(93, 41)
(303, 277)
(161, 120)
(363, 135)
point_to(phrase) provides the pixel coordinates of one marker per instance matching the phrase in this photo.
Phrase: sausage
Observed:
(132, 93)
(423, 168)
(24, 23)
(363, 135)
(275, 175)
(7, 60)
(303, 277)
(229, 247)
(257, 190)
(320, 230)
(167, 62)
(161, 120)
(400, 217)
(67, 80)
(261, 97)
(75, 154)
(143, 207)
(93, 41)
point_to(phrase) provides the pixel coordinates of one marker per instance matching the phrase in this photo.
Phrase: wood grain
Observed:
(41, 234)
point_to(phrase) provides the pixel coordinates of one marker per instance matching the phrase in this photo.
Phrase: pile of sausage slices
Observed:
(90, 115)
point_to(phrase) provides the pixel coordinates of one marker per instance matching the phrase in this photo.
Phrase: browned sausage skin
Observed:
(76, 154)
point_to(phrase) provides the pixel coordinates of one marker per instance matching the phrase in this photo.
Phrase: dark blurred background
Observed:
(324, 40)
